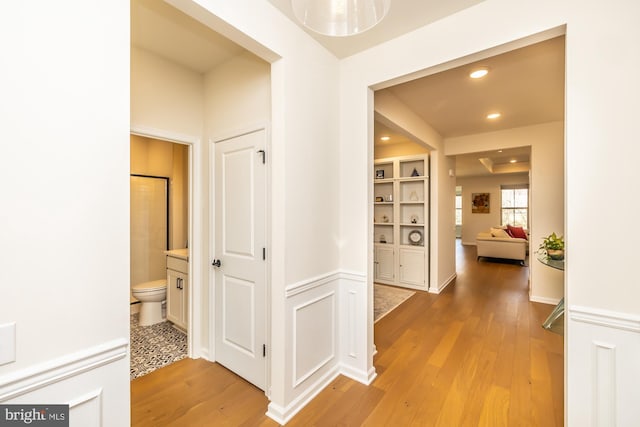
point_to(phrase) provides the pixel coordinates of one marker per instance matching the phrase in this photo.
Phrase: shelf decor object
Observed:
(340, 18)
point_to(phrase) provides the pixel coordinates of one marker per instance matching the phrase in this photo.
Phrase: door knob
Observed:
(216, 263)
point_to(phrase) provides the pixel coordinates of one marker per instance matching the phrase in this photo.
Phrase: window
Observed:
(458, 205)
(515, 205)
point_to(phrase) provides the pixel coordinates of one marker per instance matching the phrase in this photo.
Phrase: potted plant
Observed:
(553, 245)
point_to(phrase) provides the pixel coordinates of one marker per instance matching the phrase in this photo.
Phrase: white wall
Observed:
(165, 95)
(546, 210)
(237, 97)
(600, 66)
(474, 223)
(65, 222)
(304, 213)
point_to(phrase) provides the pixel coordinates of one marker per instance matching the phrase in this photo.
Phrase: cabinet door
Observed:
(185, 301)
(384, 264)
(175, 303)
(412, 266)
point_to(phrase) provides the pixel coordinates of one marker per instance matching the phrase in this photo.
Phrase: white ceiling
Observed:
(404, 16)
(526, 85)
(167, 32)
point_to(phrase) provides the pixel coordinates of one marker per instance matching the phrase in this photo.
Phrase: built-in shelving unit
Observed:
(400, 221)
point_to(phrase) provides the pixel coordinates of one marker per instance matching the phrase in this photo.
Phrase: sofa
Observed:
(499, 243)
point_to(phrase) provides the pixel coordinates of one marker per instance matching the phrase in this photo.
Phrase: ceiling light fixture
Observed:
(385, 138)
(513, 161)
(479, 73)
(493, 116)
(340, 18)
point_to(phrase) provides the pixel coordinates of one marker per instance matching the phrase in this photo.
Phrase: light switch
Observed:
(7, 343)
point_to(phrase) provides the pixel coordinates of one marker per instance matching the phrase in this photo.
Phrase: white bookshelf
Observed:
(400, 212)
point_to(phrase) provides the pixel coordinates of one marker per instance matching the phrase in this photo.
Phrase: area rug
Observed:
(155, 346)
(386, 298)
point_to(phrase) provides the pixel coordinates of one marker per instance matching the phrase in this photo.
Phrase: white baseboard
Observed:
(283, 415)
(365, 378)
(446, 283)
(544, 300)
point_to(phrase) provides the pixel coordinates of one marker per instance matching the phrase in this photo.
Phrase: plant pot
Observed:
(556, 254)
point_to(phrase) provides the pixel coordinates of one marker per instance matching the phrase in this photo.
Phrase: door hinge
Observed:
(264, 254)
(264, 350)
(264, 156)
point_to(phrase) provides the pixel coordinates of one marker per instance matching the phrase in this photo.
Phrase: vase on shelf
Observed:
(556, 254)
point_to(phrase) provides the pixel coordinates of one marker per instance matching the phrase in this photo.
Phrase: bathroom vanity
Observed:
(178, 287)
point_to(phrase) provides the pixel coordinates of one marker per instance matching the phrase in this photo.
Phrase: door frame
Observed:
(194, 330)
(256, 127)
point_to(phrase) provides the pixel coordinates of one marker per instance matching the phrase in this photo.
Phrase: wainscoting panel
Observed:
(314, 328)
(94, 383)
(602, 367)
(327, 338)
(85, 411)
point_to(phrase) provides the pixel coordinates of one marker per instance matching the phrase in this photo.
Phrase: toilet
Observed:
(150, 294)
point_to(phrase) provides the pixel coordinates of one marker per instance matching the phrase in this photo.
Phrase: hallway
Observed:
(473, 355)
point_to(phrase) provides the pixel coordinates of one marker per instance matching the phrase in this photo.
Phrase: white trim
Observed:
(544, 300)
(609, 319)
(332, 356)
(313, 282)
(322, 279)
(362, 377)
(446, 283)
(62, 368)
(353, 276)
(282, 415)
(604, 384)
(245, 130)
(95, 394)
(164, 134)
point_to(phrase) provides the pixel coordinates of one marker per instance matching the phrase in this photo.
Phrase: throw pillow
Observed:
(499, 232)
(517, 232)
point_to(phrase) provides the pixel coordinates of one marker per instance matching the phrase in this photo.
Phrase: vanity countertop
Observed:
(179, 253)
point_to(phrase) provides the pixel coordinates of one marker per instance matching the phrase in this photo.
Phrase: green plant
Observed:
(552, 242)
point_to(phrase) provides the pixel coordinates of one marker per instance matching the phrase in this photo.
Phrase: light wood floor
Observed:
(475, 355)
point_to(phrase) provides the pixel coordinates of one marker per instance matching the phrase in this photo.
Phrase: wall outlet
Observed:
(7, 343)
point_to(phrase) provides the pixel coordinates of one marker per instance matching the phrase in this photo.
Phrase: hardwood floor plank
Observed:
(495, 408)
(474, 355)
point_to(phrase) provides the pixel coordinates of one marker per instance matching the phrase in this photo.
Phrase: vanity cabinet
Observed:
(401, 221)
(178, 289)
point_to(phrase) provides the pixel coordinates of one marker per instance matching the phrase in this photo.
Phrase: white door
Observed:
(240, 268)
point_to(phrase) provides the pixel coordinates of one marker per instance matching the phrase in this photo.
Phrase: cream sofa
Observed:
(501, 247)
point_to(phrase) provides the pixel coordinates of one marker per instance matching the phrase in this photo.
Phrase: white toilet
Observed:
(150, 294)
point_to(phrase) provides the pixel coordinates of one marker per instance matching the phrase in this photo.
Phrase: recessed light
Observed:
(499, 151)
(513, 161)
(385, 138)
(493, 116)
(479, 73)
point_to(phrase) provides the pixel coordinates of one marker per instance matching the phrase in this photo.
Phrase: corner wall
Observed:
(65, 226)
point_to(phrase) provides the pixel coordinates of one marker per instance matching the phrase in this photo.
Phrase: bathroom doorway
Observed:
(160, 188)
